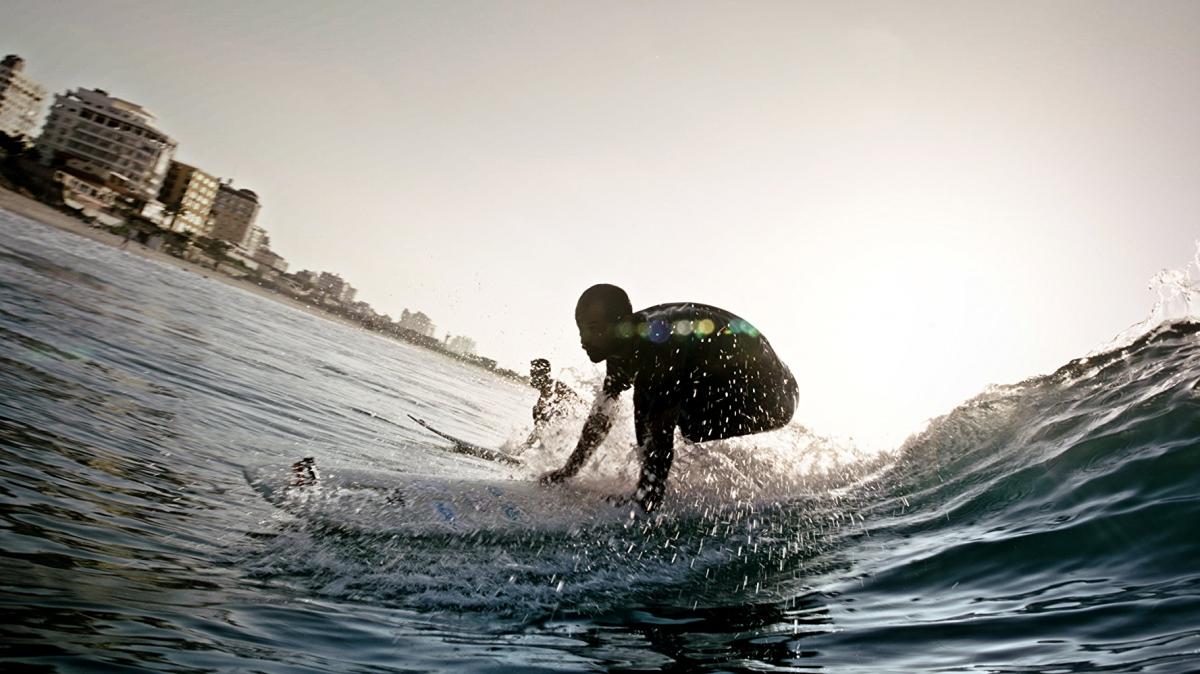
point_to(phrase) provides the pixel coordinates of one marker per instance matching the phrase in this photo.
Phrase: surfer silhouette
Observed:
(553, 399)
(692, 366)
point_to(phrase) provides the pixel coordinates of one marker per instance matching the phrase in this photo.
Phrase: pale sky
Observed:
(912, 200)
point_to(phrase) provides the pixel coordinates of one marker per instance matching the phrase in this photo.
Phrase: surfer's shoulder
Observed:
(689, 311)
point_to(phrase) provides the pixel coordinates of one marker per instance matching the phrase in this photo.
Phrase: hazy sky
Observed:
(912, 200)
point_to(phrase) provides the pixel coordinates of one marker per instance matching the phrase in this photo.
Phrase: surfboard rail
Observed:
(414, 504)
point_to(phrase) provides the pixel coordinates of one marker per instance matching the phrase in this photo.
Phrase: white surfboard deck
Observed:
(405, 503)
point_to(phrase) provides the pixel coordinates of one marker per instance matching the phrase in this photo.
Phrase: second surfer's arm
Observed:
(595, 429)
(539, 420)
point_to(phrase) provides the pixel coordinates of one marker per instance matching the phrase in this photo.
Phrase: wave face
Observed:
(1045, 526)
(1051, 523)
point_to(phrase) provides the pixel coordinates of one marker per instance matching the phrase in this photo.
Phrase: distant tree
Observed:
(12, 146)
(177, 243)
(215, 248)
(172, 210)
(13, 152)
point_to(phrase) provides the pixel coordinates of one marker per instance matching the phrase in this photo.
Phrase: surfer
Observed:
(691, 366)
(553, 398)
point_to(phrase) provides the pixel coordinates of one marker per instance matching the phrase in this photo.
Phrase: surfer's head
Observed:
(597, 313)
(539, 373)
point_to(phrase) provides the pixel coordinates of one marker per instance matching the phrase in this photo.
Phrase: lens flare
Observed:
(660, 331)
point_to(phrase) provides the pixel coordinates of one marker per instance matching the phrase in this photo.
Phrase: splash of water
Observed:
(774, 466)
(1178, 299)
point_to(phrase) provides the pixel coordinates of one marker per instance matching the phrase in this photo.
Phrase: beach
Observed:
(35, 210)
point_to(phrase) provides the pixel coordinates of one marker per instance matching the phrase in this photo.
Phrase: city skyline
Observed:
(110, 146)
(103, 160)
(910, 203)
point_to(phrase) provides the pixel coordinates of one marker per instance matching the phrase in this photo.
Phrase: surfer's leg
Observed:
(656, 465)
(655, 415)
(658, 452)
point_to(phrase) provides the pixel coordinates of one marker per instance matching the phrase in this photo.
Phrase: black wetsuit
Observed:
(551, 402)
(702, 369)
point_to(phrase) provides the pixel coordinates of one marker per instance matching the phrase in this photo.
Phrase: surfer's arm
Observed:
(539, 420)
(595, 429)
(534, 436)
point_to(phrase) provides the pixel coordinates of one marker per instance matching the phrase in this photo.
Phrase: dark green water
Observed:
(1046, 526)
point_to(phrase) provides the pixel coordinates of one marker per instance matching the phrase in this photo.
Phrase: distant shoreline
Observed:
(37, 211)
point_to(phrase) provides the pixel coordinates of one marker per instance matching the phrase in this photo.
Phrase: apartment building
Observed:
(20, 98)
(336, 288)
(112, 133)
(188, 193)
(233, 214)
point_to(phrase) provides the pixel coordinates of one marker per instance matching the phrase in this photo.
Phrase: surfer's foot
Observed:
(649, 496)
(304, 472)
(556, 476)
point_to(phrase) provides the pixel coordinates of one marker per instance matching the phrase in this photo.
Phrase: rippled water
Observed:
(1045, 526)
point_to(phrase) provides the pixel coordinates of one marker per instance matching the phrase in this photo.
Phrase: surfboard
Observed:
(403, 503)
(464, 447)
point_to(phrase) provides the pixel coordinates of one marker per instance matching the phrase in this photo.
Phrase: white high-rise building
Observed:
(20, 98)
(112, 134)
(254, 240)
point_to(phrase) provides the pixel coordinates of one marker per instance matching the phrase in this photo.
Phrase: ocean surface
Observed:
(1052, 525)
